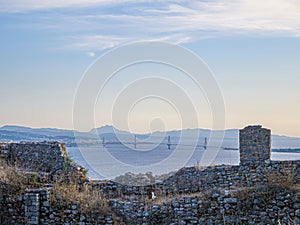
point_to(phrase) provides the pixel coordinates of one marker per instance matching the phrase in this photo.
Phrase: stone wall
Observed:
(40, 156)
(192, 180)
(257, 205)
(34, 208)
(255, 145)
(48, 160)
(255, 192)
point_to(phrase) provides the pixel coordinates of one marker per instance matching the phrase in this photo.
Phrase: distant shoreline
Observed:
(295, 150)
(291, 150)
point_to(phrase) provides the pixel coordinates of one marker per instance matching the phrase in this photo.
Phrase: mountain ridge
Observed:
(110, 133)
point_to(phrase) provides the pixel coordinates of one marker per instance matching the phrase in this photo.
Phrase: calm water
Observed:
(117, 159)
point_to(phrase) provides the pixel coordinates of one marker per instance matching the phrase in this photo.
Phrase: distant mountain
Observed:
(111, 134)
(16, 128)
(38, 131)
(109, 130)
(19, 136)
(104, 129)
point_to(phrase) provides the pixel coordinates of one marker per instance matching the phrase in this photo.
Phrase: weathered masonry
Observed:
(47, 159)
(234, 194)
(255, 145)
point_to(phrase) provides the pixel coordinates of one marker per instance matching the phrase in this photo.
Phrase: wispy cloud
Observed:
(91, 54)
(94, 42)
(31, 5)
(104, 24)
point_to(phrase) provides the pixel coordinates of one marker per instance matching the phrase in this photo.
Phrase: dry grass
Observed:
(89, 200)
(65, 192)
(212, 165)
(281, 180)
(14, 182)
(290, 222)
(197, 165)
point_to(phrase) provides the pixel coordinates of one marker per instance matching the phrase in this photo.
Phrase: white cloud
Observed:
(91, 43)
(91, 54)
(234, 16)
(178, 21)
(95, 42)
(21, 5)
(30, 5)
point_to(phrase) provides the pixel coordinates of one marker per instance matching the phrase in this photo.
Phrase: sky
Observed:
(252, 48)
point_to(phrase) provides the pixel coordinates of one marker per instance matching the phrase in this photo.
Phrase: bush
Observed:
(14, 182)
(283, 179)
(88, 200)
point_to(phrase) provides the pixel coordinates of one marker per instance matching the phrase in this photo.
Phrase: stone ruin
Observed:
(45, 159)
(255, 145)
(225, 182)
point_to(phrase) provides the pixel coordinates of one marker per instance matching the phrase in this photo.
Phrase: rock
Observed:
(296, 206)
(46, 204)
(215, 195)
(280, 204)
(82, 218)
(297, 213)
(230, 200)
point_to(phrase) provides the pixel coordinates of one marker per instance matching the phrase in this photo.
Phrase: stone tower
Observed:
(255, 145)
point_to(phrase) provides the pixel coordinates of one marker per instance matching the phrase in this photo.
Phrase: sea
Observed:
(110, 161)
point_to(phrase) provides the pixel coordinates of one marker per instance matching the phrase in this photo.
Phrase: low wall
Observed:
(48, 160)
(255, 206)
(238, 205)
(193, 179)
(40, 156)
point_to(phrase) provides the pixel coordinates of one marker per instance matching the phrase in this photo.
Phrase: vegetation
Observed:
(89, 200)
(283, 179)
(71, 190)
(13, 182)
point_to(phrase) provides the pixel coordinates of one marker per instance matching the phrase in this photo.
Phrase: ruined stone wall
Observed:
(34, 208)
(255, 145)
(213, 195)
(48, 160)
(256, 205)
(191, 180)
(40, 156)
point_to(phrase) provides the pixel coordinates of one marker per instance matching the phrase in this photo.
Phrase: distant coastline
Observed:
(296, 150)
(112, 136)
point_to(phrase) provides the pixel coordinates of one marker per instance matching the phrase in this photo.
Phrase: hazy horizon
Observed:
(234, 128)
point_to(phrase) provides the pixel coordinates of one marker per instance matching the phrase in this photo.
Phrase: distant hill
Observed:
(111, 134)
(38, 131)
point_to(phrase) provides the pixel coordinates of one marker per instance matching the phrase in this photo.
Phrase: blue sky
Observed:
(252, 47)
